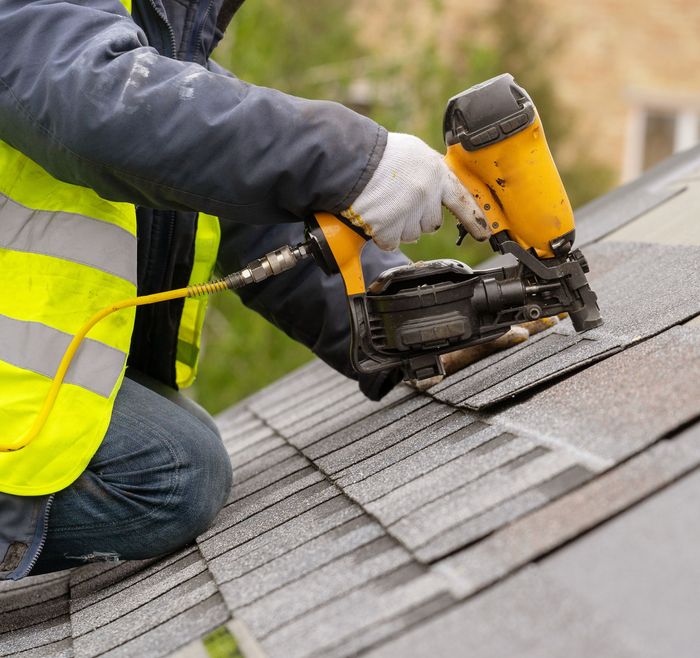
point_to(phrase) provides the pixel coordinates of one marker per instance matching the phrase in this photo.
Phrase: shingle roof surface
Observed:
(541, 502)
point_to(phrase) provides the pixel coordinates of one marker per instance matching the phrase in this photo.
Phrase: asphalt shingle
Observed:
(542, 531)
(34, 618)
(352, 622)
(224, 535)
(527, 616)
(156, 605)
(344, 539)
(642, 570)
(577, 410)
(238, 559)
(326, 583)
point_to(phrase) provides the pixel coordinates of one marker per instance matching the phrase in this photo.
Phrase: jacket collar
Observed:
(197, 25)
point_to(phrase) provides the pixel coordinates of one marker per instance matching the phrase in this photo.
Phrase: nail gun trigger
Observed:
(462, 234)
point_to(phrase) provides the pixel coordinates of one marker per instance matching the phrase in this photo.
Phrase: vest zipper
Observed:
(196, 40)
(166, 22)
(42, 541)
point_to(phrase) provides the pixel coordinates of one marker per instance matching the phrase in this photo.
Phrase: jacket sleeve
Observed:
(305, 303)
(83, 94)
(308, 305)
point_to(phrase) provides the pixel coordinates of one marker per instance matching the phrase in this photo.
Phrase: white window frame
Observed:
(686, 131)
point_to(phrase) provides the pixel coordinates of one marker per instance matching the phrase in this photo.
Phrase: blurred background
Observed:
(617, 83)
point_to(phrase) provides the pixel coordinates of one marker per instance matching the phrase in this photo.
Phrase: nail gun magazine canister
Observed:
(497, 147)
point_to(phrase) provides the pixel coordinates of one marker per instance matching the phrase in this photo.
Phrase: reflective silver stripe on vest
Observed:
(39, 348)
(69, 236)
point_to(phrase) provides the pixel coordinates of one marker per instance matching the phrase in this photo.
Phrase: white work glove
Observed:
(405, 195)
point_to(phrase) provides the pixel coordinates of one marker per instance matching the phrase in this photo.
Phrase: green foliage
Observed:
(312, 49)
(242, 353)
(221, 644)
(288, 44)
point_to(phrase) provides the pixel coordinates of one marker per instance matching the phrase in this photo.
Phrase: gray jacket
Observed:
(132, 108)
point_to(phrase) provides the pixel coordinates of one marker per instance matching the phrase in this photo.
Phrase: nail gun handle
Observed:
(338, 247)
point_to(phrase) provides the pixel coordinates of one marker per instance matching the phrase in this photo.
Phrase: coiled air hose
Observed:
(280, 260)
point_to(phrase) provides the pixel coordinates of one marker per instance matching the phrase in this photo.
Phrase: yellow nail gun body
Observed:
(412, 314)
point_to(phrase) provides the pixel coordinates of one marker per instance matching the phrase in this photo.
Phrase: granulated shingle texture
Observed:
(540, 503)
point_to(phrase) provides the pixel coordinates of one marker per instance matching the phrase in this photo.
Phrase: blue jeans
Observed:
(158, 480)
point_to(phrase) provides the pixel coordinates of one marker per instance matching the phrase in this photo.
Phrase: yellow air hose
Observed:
(269, 265)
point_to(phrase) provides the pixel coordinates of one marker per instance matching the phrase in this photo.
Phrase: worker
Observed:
(120, 142)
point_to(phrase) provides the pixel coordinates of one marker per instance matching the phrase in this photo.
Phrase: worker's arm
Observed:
(82, 94)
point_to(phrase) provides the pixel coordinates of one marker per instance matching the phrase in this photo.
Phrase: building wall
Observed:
(629, 69)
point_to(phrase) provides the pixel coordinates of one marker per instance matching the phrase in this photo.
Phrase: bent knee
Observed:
(204, 480)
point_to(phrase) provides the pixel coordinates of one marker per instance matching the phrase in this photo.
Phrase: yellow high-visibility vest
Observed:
(66, 253)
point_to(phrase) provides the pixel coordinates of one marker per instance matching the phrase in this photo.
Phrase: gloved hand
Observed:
(405, 195)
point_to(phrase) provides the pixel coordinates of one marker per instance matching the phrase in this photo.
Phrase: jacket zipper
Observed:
(42, 541)
(166, 22)
(196, 40)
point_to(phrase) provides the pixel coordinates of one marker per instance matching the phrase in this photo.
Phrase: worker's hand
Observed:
(405, 195)
(455, 361)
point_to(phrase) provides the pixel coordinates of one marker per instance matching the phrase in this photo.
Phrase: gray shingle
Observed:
(386, 626)
(398, 462)
(569, 516)
(93, 608)
(237, 425)
(472, 499)
(270, 544)
(480, 525)
(492, 518)
(256, 467)
(642, 570)
(335, 460)
(147, 617)
(60, 649)
(363, 409)
(435, 484)
(673, 223)
(30, 615)
(337, 628)
(39, 600)
(259, 501)
(383, 416)
(89, 581)
(527, 616)
(299, 561)
(332, 581)
(308, 386)
(256, 449)
(43, 637)
(310, 373)
(323, 414)
(315, 403)
(34, 616)
(579, 409)
(278, 473)
(222, 536)
(238, 445)
(167, 637)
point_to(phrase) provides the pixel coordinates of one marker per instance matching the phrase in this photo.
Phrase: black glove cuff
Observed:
(376, 386)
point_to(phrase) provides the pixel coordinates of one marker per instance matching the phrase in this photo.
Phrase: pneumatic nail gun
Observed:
(410, 315)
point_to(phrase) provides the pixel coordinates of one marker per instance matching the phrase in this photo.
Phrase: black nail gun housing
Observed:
(412, 314)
